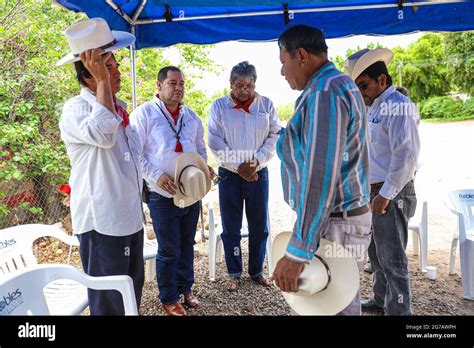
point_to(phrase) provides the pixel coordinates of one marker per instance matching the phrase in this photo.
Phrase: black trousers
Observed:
(103, 255)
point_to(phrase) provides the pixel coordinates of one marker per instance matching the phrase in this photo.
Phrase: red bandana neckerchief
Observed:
(245, 105)
(122, 113)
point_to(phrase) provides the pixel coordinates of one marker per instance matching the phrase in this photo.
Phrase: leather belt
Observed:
(353, 212)
(376, 187)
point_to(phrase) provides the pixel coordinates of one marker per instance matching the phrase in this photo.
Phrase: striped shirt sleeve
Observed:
(318, 150)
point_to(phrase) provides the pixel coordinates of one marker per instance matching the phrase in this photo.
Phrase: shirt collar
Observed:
(89, 96)
(317, 74)
(386, 94)
(162, 105)
(231, 103)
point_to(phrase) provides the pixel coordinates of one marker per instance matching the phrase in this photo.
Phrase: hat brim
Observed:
(123, 38)
(373, 56)
(340, 291)
(183, 160)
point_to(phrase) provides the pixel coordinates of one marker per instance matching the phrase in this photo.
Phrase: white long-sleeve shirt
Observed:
(236, 136)
(105, 179)
(158, 141)
(394, 143)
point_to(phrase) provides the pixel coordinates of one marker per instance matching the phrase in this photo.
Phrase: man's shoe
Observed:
(261, 280)
(371, 306)
(174, 309)
(190, 301)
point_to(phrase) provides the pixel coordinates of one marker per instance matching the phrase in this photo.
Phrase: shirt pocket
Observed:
(189, 131)
(374, 130)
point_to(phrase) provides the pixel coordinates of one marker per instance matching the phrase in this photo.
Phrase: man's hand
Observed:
(252, 178)
(94, 61)
(379, 205)
(212, 173)
(286, 274)
(166, 183)
(247, 169)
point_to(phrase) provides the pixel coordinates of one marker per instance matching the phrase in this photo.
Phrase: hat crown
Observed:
(313, 279)
(88, 34)
(193, 182)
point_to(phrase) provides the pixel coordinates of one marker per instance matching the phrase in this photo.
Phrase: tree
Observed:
(33, 90)
(460, 51)
(424, 71)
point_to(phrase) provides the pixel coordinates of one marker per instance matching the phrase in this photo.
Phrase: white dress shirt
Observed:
(236, 136)
(394, 143)
(158, 141)
(105, 180)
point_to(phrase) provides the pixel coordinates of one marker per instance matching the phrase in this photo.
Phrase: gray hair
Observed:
(243, 69)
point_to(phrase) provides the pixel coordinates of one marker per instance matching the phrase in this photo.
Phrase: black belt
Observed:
(353, 212)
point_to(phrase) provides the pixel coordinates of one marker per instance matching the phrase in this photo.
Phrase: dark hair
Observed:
(81, 73)
(243, 69)
(303, 36)
(163, 73)
(377, 69)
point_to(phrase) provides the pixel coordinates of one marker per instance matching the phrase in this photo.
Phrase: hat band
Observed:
(110, 44)
(181, 186)
(327, 270)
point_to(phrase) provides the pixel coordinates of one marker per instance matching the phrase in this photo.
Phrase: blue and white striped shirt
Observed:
(324, 157)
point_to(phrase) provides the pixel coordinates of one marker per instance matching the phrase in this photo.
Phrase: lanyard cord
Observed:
(169, 123)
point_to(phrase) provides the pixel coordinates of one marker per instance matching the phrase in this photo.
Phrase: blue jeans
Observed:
(387, 253)
(233, 192)
(103, 255)
(175, 229)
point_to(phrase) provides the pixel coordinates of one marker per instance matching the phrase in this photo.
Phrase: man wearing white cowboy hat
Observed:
(105, 182)
(394, 146)
(324, 160)
(173, 162)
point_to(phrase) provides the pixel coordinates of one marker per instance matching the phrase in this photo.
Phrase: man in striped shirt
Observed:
(324, 158)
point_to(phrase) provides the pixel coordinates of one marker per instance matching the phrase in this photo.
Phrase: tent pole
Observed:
(134, 72)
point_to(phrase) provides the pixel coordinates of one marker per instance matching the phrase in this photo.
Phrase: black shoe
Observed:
(370, 306)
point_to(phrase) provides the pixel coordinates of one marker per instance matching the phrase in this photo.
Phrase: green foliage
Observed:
(285, 111)
(423, 73)
(446, 108)
(460, 48)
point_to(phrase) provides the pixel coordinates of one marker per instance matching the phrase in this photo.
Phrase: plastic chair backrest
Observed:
(22, 292)
(463, 202)
(16, 245)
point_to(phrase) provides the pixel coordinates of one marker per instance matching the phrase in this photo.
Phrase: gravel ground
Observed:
(440, 297)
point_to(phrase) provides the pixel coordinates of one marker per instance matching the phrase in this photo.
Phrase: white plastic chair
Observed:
(150, 249)
(420, 237)
(17, 255)
(461, 204)
(216, 246)
(26, 295)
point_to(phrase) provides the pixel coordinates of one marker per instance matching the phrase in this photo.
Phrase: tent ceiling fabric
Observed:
(212, 21)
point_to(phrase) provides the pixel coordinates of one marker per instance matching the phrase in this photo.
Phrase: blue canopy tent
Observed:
(160, 23)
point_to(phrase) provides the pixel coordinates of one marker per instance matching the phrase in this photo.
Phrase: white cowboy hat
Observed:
(93, 33)
(327, 285)
(359, 61)
(191, 178)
